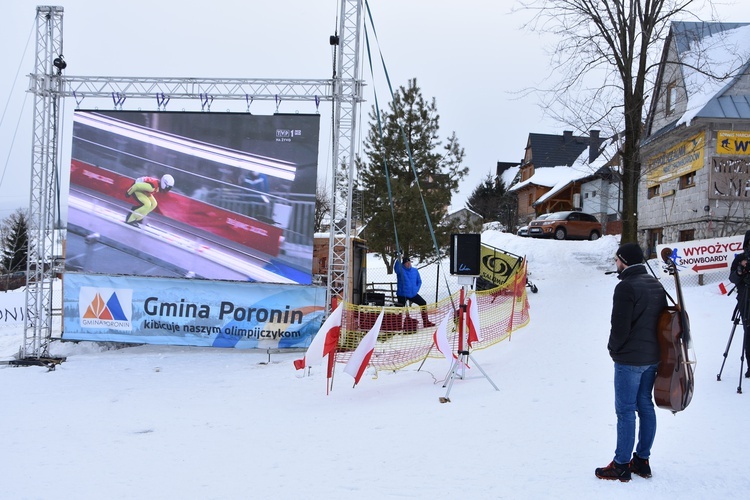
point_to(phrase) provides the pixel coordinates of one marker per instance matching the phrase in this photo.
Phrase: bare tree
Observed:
(607, 56)
(322, 207)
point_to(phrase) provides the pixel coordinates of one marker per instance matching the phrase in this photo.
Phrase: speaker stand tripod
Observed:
(458, 368)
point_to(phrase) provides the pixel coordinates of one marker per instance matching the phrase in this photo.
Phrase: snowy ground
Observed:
(170, 422)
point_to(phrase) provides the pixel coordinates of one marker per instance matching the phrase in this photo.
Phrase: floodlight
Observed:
(59, 63)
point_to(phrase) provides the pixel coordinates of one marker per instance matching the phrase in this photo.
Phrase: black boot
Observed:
(640, 467)
(614, 471)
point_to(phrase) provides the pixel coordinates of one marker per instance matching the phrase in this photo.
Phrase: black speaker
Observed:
(374, 299)
(466, 252)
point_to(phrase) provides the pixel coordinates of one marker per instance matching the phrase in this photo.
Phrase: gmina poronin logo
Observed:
(105, 307)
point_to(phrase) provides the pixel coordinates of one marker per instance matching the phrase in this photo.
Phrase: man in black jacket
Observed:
(739, 274)
(638, 301)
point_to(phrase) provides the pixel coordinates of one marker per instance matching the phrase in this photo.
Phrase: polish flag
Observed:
(324, 342)
(361, 355)
(472, 321)
(440, 337)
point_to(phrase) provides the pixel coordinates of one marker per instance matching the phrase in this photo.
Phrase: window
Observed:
(687, 235)
(655, 237)
(654, 191)
(588, 218)
(687, 180)
(671, 98)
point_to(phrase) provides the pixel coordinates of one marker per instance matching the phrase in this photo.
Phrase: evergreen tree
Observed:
(493, 202)
(15, 237)
(486, 199)
(410, 125)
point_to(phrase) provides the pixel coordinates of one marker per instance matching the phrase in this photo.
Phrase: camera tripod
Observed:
(736, 318)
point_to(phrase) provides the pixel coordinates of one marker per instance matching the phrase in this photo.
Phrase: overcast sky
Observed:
(471, 56)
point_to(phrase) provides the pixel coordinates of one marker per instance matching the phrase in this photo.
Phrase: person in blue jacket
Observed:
(408, 283)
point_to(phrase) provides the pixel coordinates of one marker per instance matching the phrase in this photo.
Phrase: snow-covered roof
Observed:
(607, 150)
(558, 178)
(727, 54)
(562, 182)
(549, 177)
(509, 175)
(461, 211)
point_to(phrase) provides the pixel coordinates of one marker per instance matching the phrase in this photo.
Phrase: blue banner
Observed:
(204, 313)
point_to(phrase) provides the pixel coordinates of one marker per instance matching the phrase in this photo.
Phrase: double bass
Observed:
(673, 388)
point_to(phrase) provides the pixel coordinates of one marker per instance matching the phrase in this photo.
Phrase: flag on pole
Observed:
(324, 342)
(361, 355)
(472, 321)
(440, 337)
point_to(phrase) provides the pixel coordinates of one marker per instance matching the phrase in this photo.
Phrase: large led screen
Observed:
(221, 196)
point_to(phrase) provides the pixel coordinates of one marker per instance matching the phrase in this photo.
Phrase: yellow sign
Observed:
(733, 142)
(682, 159)
(497, 266)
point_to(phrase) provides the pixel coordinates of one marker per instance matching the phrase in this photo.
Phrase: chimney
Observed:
(567, 136)
(594, 143)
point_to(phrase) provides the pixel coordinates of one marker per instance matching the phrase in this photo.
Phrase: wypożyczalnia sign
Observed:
(733, 142)
(685, 157)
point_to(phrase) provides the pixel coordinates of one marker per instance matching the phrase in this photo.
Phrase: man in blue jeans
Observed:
(638, 301)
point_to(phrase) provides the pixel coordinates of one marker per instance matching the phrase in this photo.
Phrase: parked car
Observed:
(524, 230)
(566, 225)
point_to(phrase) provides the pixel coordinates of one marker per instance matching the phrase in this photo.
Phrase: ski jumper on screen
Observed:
(143, 189)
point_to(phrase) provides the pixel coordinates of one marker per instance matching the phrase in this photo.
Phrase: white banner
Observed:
(704, 256)
(12, 308)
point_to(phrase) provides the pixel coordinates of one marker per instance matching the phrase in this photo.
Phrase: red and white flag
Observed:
(361, 355)
(440, 337)
(324, 342)
(472, 321)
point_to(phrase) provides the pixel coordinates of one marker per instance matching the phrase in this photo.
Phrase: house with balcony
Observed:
(552, 179)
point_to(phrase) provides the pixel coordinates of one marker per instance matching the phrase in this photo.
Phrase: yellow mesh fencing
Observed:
(403, 339)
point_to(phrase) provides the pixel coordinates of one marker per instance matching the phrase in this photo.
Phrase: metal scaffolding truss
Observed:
(191, 88)
(345, 121)
(44, 167)
(49, 85)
